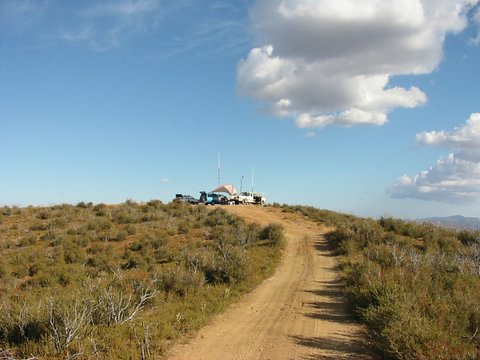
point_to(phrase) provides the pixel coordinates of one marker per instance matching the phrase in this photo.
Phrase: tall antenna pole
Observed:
(253, 175)
(218, 170)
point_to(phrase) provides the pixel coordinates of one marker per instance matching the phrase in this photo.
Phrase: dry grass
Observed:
(416, 286)
(121, 281)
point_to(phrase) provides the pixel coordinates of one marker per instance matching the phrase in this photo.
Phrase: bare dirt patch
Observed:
(298, 313)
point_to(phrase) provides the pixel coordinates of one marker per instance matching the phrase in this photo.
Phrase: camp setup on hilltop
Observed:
(225, 194)
(244, 197)
(226, 188)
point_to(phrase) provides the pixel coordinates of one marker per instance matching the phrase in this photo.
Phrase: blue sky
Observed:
(363, 107)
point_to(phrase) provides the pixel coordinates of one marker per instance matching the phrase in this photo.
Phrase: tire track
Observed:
(298, 313)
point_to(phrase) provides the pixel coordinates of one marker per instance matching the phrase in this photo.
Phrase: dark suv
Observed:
(185, 199)
(212, 198)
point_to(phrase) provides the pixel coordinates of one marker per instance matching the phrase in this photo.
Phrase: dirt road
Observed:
(296, 314)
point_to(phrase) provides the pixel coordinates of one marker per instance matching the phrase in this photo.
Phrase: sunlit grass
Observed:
(415, 286)
(122, 281)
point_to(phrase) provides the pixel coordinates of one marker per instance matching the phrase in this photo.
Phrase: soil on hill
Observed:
(298, 313)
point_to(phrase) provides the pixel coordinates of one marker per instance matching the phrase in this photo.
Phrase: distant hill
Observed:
(455, 221)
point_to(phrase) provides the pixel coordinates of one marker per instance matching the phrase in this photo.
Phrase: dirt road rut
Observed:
(298, 313)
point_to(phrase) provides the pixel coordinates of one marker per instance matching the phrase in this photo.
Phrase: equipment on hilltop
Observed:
(226, 188)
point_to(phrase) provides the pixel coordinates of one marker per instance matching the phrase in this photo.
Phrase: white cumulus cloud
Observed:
(476, 19)
(326, 62)
(454, 178)
(465, 137)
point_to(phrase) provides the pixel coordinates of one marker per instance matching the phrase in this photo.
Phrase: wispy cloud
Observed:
(129, 8)
(99, 25)
(328, 62)
(85, 34)
(19, 13)
(181, 26)
(103, 26)
(208, 39)
(12, 8)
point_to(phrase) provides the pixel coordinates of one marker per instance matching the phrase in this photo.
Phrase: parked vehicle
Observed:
(212, 198)
(185, 199)
(259, 198)
(246, 197)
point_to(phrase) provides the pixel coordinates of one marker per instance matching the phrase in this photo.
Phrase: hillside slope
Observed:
(296, 314)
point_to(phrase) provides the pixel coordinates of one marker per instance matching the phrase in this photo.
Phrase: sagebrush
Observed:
(96, 281)
(416, 286)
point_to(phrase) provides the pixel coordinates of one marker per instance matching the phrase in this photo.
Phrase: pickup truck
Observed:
(247, 197)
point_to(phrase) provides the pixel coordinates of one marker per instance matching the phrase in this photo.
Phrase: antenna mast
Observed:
(218, 170)
(253, 175)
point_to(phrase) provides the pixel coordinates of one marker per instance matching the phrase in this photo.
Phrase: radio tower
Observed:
(218, 170)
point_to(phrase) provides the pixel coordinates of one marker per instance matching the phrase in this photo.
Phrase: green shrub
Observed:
(69, 318)
(134, 260)
(69, 263)
(102, 257)
(227, 265)
(84, 205)
(272, 234)
(469, 237)
(27, 240)
(121, 236)
(21, 322)
(219, 217)
(44, 214)
(73, 253)
(37, 267)
(130, 229)
(38, 226)
(180, 280)
(121, 301)
(5, 270)
(416, 286)
(99, 224)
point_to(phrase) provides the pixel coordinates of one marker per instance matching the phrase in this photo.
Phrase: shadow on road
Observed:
(341, 348)
(331, 304)
(328, 304)
(324, 246)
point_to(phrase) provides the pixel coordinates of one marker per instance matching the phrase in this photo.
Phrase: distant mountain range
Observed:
(455, 221)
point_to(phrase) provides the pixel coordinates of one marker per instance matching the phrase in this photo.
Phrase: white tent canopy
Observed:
(226, 188)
